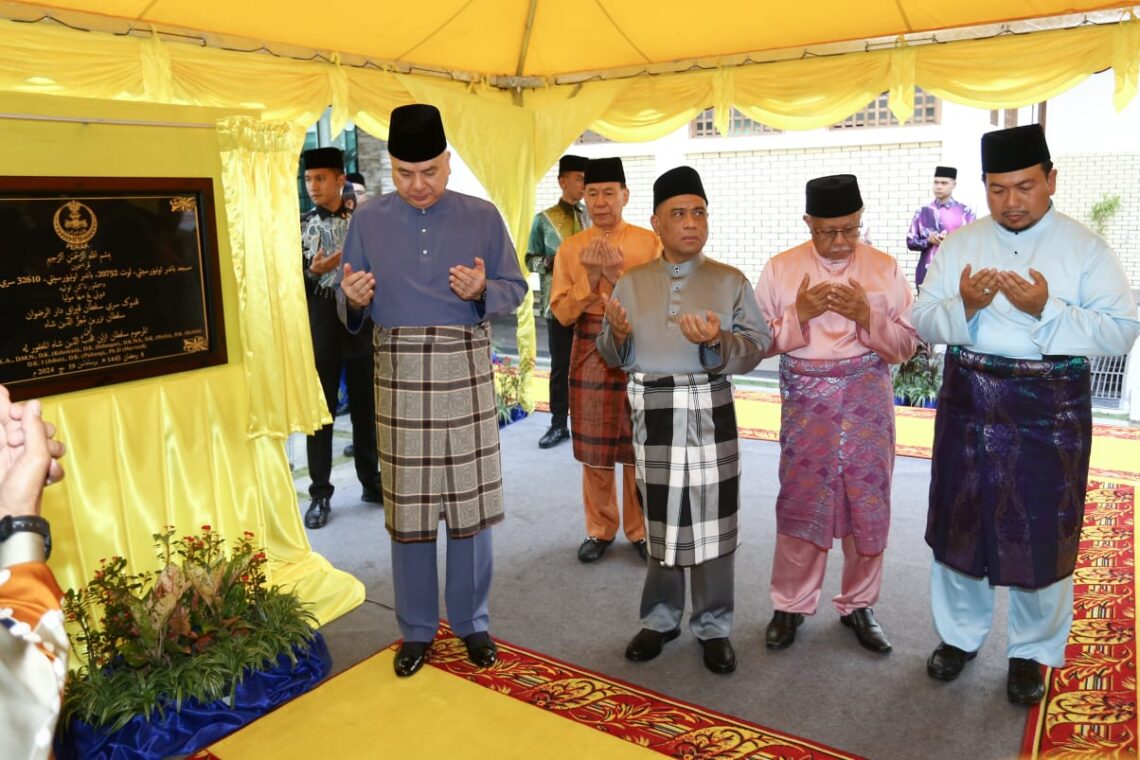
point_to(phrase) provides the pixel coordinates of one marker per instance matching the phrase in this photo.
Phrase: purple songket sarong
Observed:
(1011, 458)
(837, 451)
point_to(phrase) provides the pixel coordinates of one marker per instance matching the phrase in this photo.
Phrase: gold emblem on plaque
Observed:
(192, 345)
(79, 226)
(184, 203)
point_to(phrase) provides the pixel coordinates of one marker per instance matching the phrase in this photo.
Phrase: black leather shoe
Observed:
(371, 496)
(1025, 684)
(867, 630)
(318, 513)
(481, 649)
(553, 436)
(411, 657)
(782, 629)
(592, 549)
(946, 662)
(647, 644)
(349, 450)
(719, 656)
(642, 547)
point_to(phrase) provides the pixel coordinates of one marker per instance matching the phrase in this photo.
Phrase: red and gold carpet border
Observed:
(645, 718)
(1090, 705)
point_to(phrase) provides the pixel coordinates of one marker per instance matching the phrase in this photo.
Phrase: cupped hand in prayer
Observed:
(700, 329)
(358, 287)
(618, 320)
(468, 282)
(977, 290)
(850, 301)
(811, 301)
(1029, 297)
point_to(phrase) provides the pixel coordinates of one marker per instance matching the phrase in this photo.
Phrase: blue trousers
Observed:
(415, 578)
(1039, 619)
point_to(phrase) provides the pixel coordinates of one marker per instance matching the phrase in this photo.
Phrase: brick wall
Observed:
(1083, 179)
(756, 198)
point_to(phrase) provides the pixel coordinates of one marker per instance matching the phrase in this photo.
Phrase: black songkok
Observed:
(569, 163)
(357, 179)
(683, 180)
(323, 158)
(946, 172)
(1009, 150)
(834, 196)
(604, 170)
(415, 133)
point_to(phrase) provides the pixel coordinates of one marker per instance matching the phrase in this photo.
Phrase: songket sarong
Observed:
(599, 407)
(688, 465)
(837, 451)
(1011, 458)
(437, 431)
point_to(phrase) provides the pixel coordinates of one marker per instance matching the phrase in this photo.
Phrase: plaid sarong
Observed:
(688, 465)
(599, 407)
(1011, 459)
(837, 451)
(437, 431)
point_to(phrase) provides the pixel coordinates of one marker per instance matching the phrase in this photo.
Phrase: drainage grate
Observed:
(1108, 380)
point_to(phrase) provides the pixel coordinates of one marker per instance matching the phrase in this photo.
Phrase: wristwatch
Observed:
(10, 525)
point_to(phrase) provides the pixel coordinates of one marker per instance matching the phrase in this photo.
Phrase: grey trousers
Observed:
(415, 579)
(712, 584)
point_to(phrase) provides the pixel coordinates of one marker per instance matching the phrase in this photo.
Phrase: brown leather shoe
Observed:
(782, 627)
(1024, 684)
(647, 644)
(411, 657)
(946, 662)
(867, 630)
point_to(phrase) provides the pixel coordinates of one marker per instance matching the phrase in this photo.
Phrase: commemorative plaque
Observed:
(104, 280)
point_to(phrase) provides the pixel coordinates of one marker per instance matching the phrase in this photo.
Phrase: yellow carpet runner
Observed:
(526, 706)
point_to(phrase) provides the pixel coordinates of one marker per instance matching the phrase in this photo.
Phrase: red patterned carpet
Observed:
(645, 718)
(1089, 709)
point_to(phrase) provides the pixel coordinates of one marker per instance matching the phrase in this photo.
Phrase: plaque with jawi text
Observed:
(104, 280)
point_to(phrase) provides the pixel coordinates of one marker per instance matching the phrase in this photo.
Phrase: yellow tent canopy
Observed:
(517, 81)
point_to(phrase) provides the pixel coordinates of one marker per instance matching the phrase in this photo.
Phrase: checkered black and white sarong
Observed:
(437, 431)
(688, 465)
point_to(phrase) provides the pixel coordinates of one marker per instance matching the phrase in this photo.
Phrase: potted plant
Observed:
(204, 633)
(918, 379)
(508, 387)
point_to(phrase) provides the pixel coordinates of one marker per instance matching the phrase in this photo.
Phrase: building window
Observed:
(738, 125)
(927, 110)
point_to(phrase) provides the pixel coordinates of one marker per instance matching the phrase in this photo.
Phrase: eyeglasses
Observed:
(851, 233)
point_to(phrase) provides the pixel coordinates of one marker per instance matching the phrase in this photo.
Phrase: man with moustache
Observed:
(1022, 298)
(431, 267)
(680, 325)
(839, 311)
(565, 218)
(323, 230)
(585, 270)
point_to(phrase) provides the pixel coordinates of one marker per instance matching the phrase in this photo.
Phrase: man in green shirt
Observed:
(550, 228)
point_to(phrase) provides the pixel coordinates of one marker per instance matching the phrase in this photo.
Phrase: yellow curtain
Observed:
(168, 452)
(259, 170)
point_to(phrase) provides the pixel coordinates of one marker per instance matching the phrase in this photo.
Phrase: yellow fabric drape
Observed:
(259, 165)
(161, 453)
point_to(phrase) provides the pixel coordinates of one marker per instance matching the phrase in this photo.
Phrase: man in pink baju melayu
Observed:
(839, 313)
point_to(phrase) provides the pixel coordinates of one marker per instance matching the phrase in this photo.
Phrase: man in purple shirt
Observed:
(431, 267)
(934, 221)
